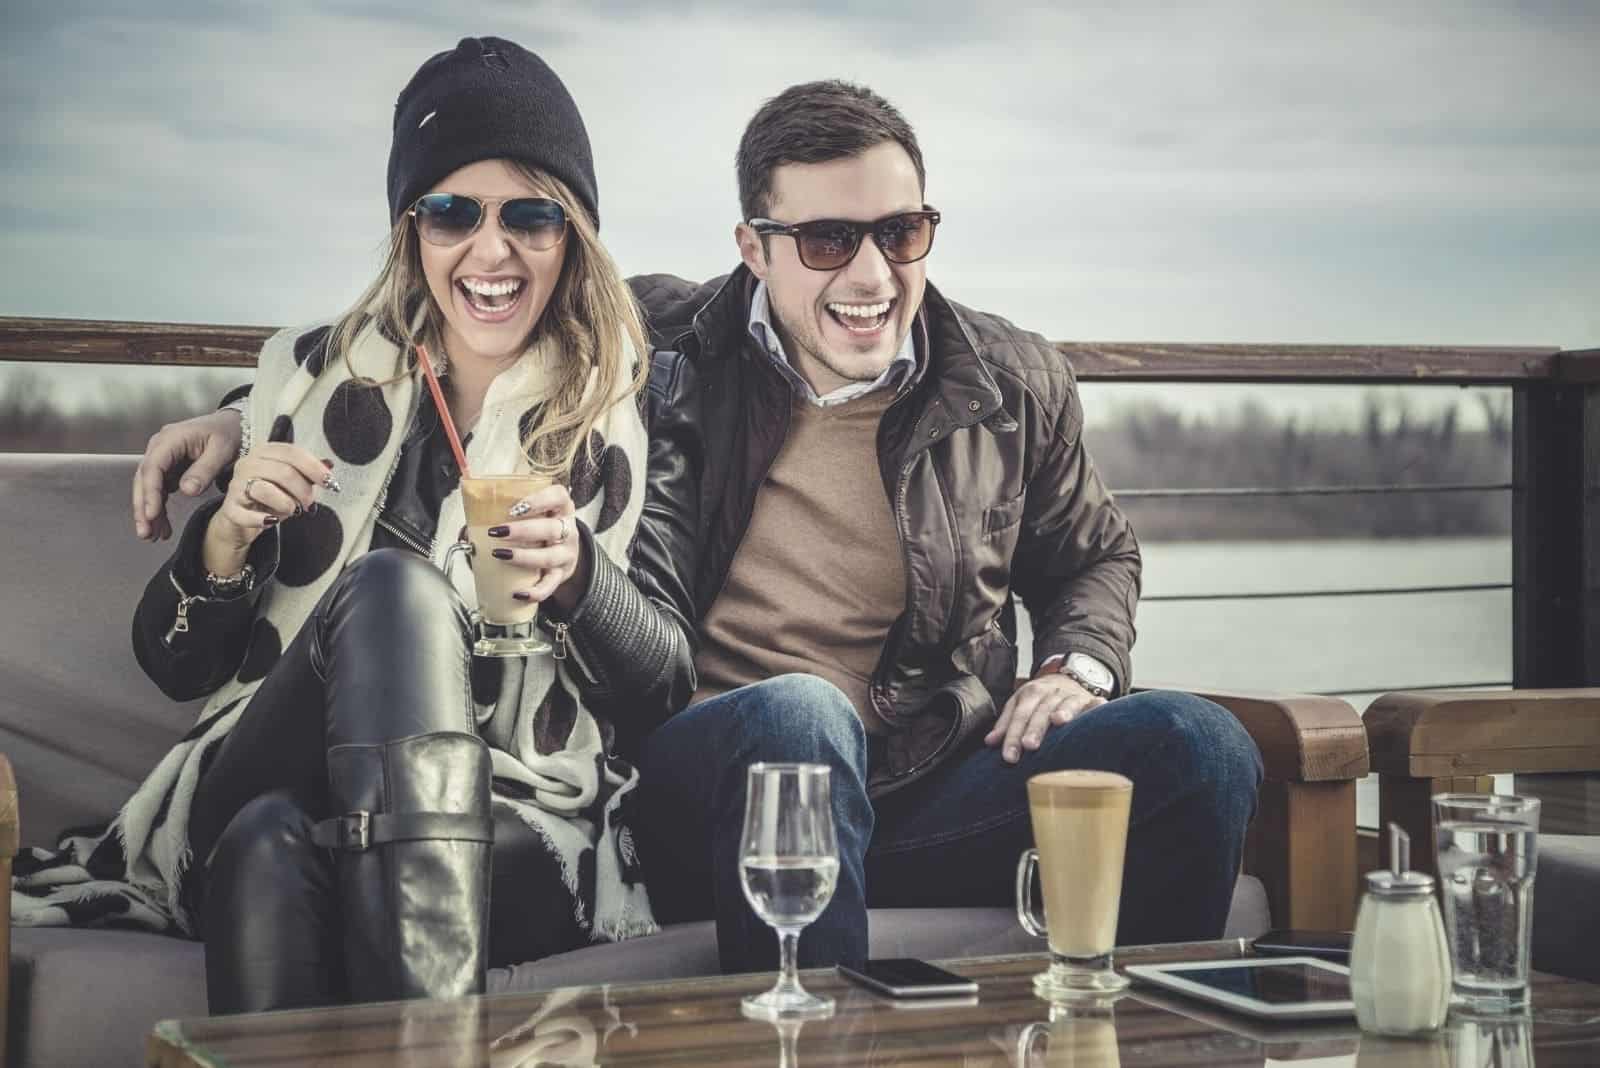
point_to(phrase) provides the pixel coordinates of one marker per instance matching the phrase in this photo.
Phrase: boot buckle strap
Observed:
(352, 831)
(358, 831)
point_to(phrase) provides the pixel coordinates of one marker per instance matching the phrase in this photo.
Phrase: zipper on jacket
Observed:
(406, 539)
(877, 688)
(180, 623)
(566, 648)
(952, 621)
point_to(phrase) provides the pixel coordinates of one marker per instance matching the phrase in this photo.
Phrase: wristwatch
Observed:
(1082, 669)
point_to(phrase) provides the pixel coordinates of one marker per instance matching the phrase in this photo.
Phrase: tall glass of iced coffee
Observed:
(1080, 833)
(505, 625)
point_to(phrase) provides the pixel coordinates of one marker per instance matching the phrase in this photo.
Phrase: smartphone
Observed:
(1328, 945)
(907, 977)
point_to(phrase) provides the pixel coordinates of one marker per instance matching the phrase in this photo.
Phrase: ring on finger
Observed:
(248, 497)
(563, 521)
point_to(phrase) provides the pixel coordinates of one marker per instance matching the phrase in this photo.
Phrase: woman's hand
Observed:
(541, 536)
(275, 482)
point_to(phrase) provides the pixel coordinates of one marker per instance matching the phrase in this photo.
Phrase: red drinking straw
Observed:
(444, 411)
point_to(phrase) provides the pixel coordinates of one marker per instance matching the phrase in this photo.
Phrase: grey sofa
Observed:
(81, 725)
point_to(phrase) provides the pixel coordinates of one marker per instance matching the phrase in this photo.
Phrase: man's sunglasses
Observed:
(828, 244)
(447, 219)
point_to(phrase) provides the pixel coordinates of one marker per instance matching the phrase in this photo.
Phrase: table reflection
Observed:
(1081, 1033)
(569, 1028)
(1491, 1042)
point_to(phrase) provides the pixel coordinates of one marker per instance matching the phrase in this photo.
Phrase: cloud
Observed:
(1202, 171)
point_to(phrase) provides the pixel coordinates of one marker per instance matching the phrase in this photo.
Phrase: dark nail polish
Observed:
(521, 595)
(313, 509)
(499, 532)
(270, 521)
(328, 464)
(501, 554)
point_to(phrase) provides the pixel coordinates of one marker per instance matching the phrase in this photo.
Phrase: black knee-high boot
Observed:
(413, 856)
(408, 781)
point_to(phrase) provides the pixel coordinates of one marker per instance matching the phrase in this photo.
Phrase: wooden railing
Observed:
(207, 345)
(1555, 487)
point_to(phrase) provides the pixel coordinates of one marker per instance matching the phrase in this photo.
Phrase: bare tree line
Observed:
(1154, 446)
(121, 419)
(1151, 445)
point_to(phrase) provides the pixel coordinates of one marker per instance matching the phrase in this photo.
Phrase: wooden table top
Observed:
(697, 1021)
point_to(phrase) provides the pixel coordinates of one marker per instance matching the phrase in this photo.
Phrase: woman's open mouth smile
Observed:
(491, 301)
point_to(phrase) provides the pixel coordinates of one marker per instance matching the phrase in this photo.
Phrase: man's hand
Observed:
(1035, 707)
(184, 456)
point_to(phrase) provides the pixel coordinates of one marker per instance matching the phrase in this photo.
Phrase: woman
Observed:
(329, 824)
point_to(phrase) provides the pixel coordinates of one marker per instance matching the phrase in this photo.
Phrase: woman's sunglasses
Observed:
(828, 244)
(447, 219)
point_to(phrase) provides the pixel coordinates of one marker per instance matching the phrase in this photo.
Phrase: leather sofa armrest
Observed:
(1302, 737)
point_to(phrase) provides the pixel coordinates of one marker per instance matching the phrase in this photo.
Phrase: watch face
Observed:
(1092, 671)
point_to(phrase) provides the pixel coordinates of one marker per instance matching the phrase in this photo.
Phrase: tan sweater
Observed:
(819, 577)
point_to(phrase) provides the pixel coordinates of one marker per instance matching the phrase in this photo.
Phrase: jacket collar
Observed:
(947, 357)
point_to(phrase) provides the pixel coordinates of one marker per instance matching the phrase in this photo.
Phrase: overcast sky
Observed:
(1222, 171)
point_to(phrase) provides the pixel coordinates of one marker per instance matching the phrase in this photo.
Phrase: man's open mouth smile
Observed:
(861, 318)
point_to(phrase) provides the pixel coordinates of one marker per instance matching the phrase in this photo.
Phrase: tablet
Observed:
(1275, 988)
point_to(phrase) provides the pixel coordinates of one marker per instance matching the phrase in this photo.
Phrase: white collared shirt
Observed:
(898, 372)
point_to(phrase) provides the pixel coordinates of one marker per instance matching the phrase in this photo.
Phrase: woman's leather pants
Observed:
(350, 808)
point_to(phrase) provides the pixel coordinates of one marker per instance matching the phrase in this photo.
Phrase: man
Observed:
(850, 475)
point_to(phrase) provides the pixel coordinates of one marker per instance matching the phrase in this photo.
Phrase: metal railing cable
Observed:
(1375, 591)
(1173, 493)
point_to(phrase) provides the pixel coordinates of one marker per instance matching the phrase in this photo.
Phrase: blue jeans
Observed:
(951, 838)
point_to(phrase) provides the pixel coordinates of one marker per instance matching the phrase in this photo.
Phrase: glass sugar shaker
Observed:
(1400, 960)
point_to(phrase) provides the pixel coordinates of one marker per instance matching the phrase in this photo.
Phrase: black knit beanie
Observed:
(486, 99)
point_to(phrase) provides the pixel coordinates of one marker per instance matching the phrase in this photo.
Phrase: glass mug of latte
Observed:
(1080, 833)
(504, 625)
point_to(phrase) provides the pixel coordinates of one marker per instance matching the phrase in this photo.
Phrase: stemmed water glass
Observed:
(788, 865)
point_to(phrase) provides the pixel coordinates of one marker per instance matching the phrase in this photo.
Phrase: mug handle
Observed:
(462, 547)
(1027, 868)
(1028, 1040)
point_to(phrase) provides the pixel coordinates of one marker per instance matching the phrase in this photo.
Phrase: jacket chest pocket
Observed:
(1000, 520)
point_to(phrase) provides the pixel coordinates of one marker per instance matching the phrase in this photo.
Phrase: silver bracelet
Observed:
(225, 586)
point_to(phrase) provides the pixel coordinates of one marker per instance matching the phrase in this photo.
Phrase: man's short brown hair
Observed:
(814, 123)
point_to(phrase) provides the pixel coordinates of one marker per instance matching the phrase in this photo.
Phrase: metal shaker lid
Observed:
(1399, 880)
(1406, 884)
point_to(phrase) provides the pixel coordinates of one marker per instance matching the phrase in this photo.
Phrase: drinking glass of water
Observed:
(788, 864)
(1487, 858)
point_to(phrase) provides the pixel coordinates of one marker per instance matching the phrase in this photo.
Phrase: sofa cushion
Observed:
(80, 722)
(91, 997)
(1566, 938)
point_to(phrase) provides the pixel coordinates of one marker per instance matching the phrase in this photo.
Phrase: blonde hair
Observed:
(591, 317)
